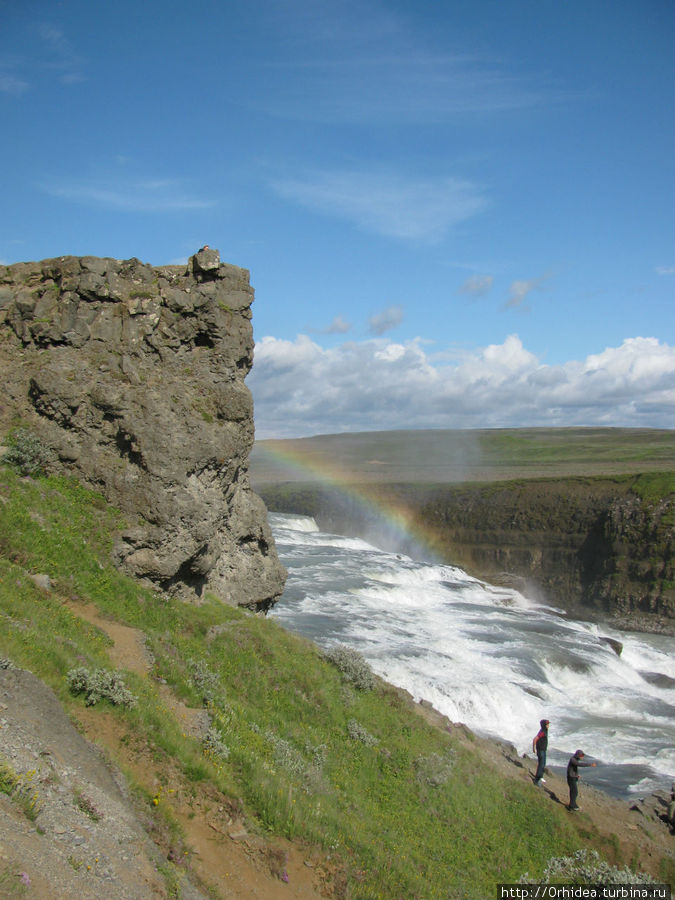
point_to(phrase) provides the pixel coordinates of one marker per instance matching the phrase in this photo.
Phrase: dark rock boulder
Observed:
(616, 646)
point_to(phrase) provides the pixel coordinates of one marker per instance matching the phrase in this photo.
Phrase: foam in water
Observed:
(303, 524)
(486, 656)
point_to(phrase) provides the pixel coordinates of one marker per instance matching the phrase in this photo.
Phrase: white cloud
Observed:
(408, 88)
(337, 326)
(143, 194)
(301, 388)
(418, 209)
(384, 321)
(665, 270)
(335, 70)
(73, 78)
(477, 285)
(9, 84)
(521, 289)
(60, 54)
(391, 353)
(51, 54)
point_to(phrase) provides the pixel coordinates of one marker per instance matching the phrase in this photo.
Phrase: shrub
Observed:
(358, 733)
(27, 453)
(100, 684)
(206, 682)
(435, 769)
(86, 804)
(309, 774)
(352, 665)
(20, 789)
(586, 867)
(214, 745)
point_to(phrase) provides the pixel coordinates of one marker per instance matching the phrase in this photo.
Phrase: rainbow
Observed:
(372, 499)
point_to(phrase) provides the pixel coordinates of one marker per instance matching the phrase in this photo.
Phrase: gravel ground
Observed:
(82, 838)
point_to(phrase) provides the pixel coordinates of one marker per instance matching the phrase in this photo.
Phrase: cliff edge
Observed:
(133, 376)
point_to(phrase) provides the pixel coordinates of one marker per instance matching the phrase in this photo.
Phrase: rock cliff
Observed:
(592, 546)
(134, 376)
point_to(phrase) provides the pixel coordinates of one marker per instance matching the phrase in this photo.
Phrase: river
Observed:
(487, 656)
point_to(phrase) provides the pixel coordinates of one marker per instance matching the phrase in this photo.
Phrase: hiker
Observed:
(573, 777)
(540, 746)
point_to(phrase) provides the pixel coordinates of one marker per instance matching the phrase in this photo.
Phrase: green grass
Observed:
(19, 786)
(655, 486)
(446, 456)
(411, 813)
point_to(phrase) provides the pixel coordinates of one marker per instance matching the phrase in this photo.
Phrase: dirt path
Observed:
(217, 847)
(67, 828)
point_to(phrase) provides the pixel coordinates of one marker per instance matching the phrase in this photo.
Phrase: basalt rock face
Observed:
(593, 547)
(134, 376)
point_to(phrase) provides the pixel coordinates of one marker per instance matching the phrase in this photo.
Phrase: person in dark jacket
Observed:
(540, 746)
(573, 776)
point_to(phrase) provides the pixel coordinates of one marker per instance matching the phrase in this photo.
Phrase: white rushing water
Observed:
(486, 656)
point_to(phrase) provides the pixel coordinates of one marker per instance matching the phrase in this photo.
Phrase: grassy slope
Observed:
(281, 710)
(442, 456)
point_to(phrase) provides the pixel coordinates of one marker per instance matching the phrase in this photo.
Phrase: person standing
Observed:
(540, 746)
(573, 777)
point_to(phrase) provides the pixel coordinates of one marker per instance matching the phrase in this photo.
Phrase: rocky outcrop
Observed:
(134, 376)
(592, 546)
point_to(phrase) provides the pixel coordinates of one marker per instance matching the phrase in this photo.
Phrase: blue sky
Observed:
(454, 215)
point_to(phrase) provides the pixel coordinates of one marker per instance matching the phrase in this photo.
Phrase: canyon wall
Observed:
(601, 548)
(592, 546)
(133, 377)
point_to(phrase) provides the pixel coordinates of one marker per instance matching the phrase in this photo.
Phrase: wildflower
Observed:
(25, 879)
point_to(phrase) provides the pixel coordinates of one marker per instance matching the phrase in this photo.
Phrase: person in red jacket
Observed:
(540, 746)
(573, 777)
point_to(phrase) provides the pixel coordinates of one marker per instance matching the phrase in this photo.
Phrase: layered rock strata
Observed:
(134, 376)
(591, 546)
